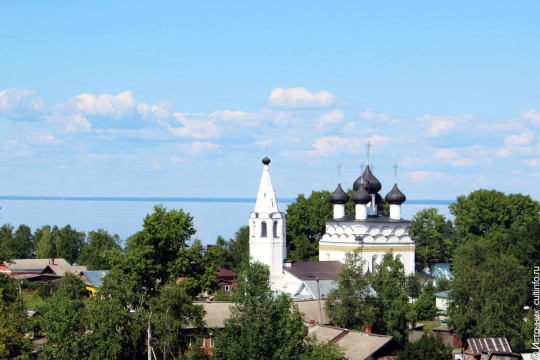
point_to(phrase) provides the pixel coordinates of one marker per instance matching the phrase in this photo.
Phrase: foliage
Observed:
(199, 269)
(306, 225)
(414, 285)
(171, 311)
(262, 324)
(425, 307)
(57, 242)
(13, 320)
(329, 350)
(432, 233)
(427, 348)
(484, 212)
(93, 252)
(349, 305)
(443, 284)
(6, 242)
(488, 294)
(233, 254)
(392, 303)
(64, 321)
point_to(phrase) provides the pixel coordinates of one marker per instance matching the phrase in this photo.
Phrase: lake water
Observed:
(124, 216)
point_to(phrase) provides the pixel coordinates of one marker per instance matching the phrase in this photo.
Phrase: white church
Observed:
(374, 234)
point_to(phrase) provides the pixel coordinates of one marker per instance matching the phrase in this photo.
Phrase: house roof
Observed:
(218, 311)
(32, 264)
(477, 345)
(310, 270)
(443, 294)
(61, 270)
(222, 272)
(95, 276)
(356, 344)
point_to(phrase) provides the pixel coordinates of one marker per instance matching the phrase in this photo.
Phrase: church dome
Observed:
(339, 196)
(361, 196)
(395, 196)
(266, 160)
(371, 183)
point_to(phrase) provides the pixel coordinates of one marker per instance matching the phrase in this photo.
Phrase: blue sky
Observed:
(179, 99)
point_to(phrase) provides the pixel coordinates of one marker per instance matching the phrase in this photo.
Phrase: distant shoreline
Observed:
(184, 199)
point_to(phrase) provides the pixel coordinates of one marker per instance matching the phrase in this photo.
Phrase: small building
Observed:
(92, 280)
(439, 271)
(488, 349)
(56, 270)
(308, 280)
(359, 345)
(442, 302)
(29, 268)
(226, 280)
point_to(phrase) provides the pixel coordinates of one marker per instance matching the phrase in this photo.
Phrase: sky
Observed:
(184, 98)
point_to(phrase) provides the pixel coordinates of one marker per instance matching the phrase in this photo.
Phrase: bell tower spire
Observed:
(267, 243)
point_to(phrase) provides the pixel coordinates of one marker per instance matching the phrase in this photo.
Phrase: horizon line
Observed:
(184, 199)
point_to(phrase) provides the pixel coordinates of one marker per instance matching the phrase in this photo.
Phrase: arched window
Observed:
(263, 229)
(275, 229)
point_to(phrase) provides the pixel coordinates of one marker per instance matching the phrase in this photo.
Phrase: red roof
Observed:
(224, 273)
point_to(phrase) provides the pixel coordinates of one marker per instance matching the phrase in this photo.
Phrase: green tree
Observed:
(13, 320)
(484, 212)
(233, 254)
(349, 305)
(6, 242)
(427, 348)
(23, 242)
(93, 252)
(392, 303)
(45, 247)
(306, 224)
(489, 292)
(425, 307)
(262, 324)
(171, 312)
(64, 321)
(68, 243)
(432, 233)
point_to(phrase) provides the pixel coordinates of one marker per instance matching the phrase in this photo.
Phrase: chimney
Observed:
(52, 261)
(368, 329)
(311, 323)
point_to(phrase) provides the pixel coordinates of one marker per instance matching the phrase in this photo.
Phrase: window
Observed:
(275, 229)
(263, 229)
(227, 288)
(374, 261)
(399, 257)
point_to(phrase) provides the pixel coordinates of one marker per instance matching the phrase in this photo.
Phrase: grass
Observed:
(31, 299)
(430, 325)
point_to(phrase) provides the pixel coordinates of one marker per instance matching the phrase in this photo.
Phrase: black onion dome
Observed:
(361, 196)
(395, 196)
(358, 183)
(371, 183)
(339, 196)
(266, 160)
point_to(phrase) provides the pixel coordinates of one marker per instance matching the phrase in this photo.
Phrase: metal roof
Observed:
(477, 345)
(33, 264)
(95, 276)
(311, 270)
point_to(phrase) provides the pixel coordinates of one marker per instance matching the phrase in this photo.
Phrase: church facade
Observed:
(373, 234)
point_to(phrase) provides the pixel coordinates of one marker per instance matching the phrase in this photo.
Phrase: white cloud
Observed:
(374, 117)
(444, 154)
(195, 127)
(463, 162)
(333, 117)
(533, 162)
(503, 153)
(532, 116)
(228, 116)
(77, 123)
(20, 103)
(300, 98)
(153, 111)
(116, 106)
(440, 127)
(523, 139)
(425, 175)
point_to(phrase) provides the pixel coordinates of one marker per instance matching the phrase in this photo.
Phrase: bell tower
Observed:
(267, 242)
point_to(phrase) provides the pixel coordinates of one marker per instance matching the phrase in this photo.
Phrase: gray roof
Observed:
(218, 311)
(33, 264)
(310, 270)
(61, 270)
(311, 286)
(95, 276)
(478, 345)
(443, 294)
(356, 344)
